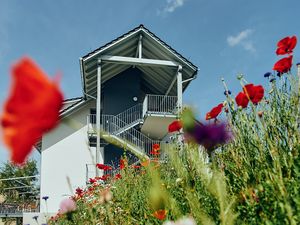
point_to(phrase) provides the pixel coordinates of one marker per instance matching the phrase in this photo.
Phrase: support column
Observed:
(99, 150)
(179, 89)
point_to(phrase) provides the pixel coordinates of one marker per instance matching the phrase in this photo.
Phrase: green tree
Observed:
(19, 190)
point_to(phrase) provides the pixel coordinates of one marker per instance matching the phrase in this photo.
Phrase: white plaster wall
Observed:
(65, 153)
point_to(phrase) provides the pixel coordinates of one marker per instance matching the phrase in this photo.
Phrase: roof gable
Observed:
(126, 45)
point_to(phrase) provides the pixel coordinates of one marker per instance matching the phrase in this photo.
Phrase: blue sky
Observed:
(221, 37)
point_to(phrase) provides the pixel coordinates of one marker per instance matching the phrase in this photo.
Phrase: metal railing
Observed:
(132, 114)
(114, 126)
(7, 209)
(160, 104)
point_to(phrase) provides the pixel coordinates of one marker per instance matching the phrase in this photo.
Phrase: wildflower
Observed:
(210, 135)
(156, 147)
(91, 180)
(283, 65)
(104, 177)
(160, 214)
(175, 126)
(136, 166)
(268, 74)
(45, 198)
(31, 110)
(123, 162)
(272, 79)
(156, 153)
(286, 45)
(67, 205)
(103, 167)
(183, 221)
(214, 112)
(79, 191)
(254, 92)
(118, 176)
(242, 100)
(105, 196)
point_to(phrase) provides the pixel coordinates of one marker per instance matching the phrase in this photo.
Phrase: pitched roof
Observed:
(156, 79)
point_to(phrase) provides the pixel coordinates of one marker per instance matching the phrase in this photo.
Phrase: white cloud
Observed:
(242, 39)
(173, 4)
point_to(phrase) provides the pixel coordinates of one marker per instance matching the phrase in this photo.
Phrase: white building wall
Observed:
(65, 153)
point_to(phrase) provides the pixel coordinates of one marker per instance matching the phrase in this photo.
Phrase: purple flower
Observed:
(273, 79)
(268, 74)
(210, 135)
(45, 198)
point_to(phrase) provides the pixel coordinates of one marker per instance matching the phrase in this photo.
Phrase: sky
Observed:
(222, 37)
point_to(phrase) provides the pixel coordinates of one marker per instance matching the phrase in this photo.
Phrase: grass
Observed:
(253, 179)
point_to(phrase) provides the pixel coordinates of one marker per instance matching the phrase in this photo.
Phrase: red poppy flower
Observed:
(242, 100)
(104, 177)
(175, 126)
(79, 191)
(91, 180)
(31, 110)
(160, 214)
(254, 92)
(214, 112)
(283, 65)
(155, 153)
(122, 163)
(103, 167)
(286, 45)
(118, 176)
(156, 147)
(136, 166)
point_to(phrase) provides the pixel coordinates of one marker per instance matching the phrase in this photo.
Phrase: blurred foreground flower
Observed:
(105, 196)
(67, 205)
(183, 221)
(210, 135)
(31, 109)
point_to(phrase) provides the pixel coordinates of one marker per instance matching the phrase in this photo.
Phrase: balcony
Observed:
(158, 112)
(153, 117)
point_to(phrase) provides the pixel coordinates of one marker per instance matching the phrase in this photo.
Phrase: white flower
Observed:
(183, 221)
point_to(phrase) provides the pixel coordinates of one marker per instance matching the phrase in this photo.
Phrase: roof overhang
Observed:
(157, 60)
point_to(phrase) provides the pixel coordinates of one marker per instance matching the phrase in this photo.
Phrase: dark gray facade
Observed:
(118, 95)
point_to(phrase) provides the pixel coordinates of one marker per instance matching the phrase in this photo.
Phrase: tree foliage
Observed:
(19, 190)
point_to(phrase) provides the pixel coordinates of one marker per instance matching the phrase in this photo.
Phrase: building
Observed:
(132, 89)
